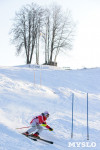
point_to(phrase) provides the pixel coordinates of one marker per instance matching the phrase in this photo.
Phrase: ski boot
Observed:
(35, 135)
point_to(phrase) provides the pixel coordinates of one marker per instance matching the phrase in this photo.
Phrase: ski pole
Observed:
(87, 120)
(23, 127)
(72, 114)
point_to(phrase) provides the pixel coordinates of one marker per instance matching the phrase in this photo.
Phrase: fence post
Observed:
(40, 75)
(34, 76)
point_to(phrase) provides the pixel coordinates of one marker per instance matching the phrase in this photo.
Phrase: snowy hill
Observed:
(26, 91)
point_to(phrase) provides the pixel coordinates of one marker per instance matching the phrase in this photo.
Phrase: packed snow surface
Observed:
(27, 91)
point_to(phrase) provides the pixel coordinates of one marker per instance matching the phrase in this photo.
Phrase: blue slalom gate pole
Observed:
(87, 120)
(72, 114)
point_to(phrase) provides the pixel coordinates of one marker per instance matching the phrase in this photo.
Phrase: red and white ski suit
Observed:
(38, 122)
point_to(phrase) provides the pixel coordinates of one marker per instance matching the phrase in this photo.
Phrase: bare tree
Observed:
(66, 35)
(58, 33)
(56, 27)
(26, 30)
(46, 34)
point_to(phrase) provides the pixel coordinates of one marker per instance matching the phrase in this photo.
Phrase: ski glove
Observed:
(50, 129)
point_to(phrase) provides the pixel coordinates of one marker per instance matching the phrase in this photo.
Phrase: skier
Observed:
(37, 122)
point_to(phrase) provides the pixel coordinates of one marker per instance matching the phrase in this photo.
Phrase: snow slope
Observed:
(26, 91)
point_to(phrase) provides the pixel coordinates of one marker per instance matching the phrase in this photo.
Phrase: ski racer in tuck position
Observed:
(37, 123)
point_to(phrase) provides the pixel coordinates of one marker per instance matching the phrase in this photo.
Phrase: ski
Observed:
(36, 139)
(41, 139)
(50, 142)
(30, 137)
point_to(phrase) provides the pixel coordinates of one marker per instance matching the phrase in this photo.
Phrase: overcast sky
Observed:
(86, 47)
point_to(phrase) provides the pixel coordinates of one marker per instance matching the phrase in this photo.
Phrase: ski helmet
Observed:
(46, 113)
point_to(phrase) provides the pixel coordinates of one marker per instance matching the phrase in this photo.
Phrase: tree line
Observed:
(35, 27)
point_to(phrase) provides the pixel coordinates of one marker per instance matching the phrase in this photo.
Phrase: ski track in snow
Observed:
(21, 97)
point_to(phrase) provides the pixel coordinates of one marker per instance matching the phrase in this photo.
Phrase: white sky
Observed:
(86, 48)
